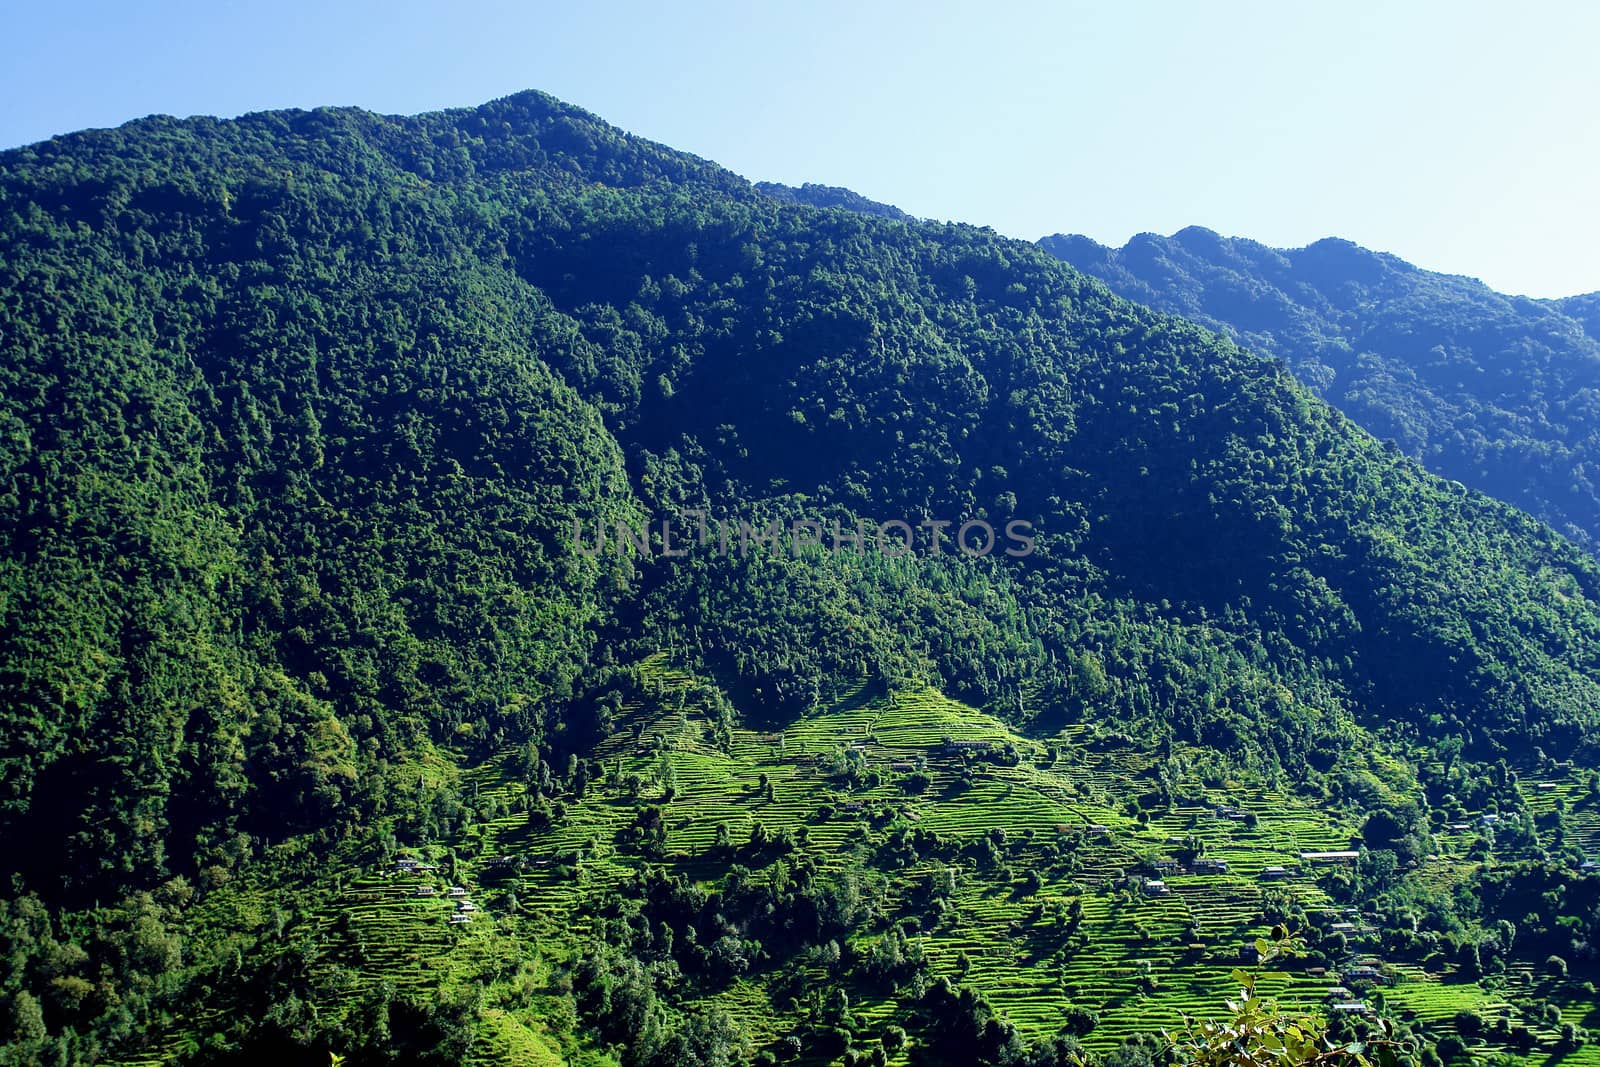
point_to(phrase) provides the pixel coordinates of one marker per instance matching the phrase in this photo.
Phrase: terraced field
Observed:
(1086, 932)
(1138, 961)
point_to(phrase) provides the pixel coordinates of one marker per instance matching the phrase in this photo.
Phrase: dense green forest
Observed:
(831, 196)
(1501, 393)
(299, 415)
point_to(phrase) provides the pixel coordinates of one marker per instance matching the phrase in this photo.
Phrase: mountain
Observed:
(324, 437)
(1585, 309)
(1497, 392)
(831, 196)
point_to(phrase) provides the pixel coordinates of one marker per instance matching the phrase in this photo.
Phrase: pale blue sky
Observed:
(1463, 136)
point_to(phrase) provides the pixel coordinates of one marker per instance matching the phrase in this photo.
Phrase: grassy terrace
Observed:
(1139, 962)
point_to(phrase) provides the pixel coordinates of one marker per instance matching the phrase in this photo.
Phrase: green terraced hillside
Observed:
(1048, 854)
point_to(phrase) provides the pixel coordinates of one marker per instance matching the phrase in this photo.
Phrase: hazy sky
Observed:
(1462, 136)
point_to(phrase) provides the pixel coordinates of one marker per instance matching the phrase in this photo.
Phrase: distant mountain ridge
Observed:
(815, 195)
(1501, 393)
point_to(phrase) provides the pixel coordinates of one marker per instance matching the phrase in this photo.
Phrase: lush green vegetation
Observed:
(1501, 393)
(831, 196)
(298, 414)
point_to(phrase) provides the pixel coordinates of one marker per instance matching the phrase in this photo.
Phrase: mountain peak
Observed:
(1201, 239)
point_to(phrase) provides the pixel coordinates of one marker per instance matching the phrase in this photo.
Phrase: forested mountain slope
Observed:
(299, 414)
(831, 196)
(1499, 392)
(1585, 309)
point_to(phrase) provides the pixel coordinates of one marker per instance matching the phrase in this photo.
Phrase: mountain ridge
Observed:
(1488, 389)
